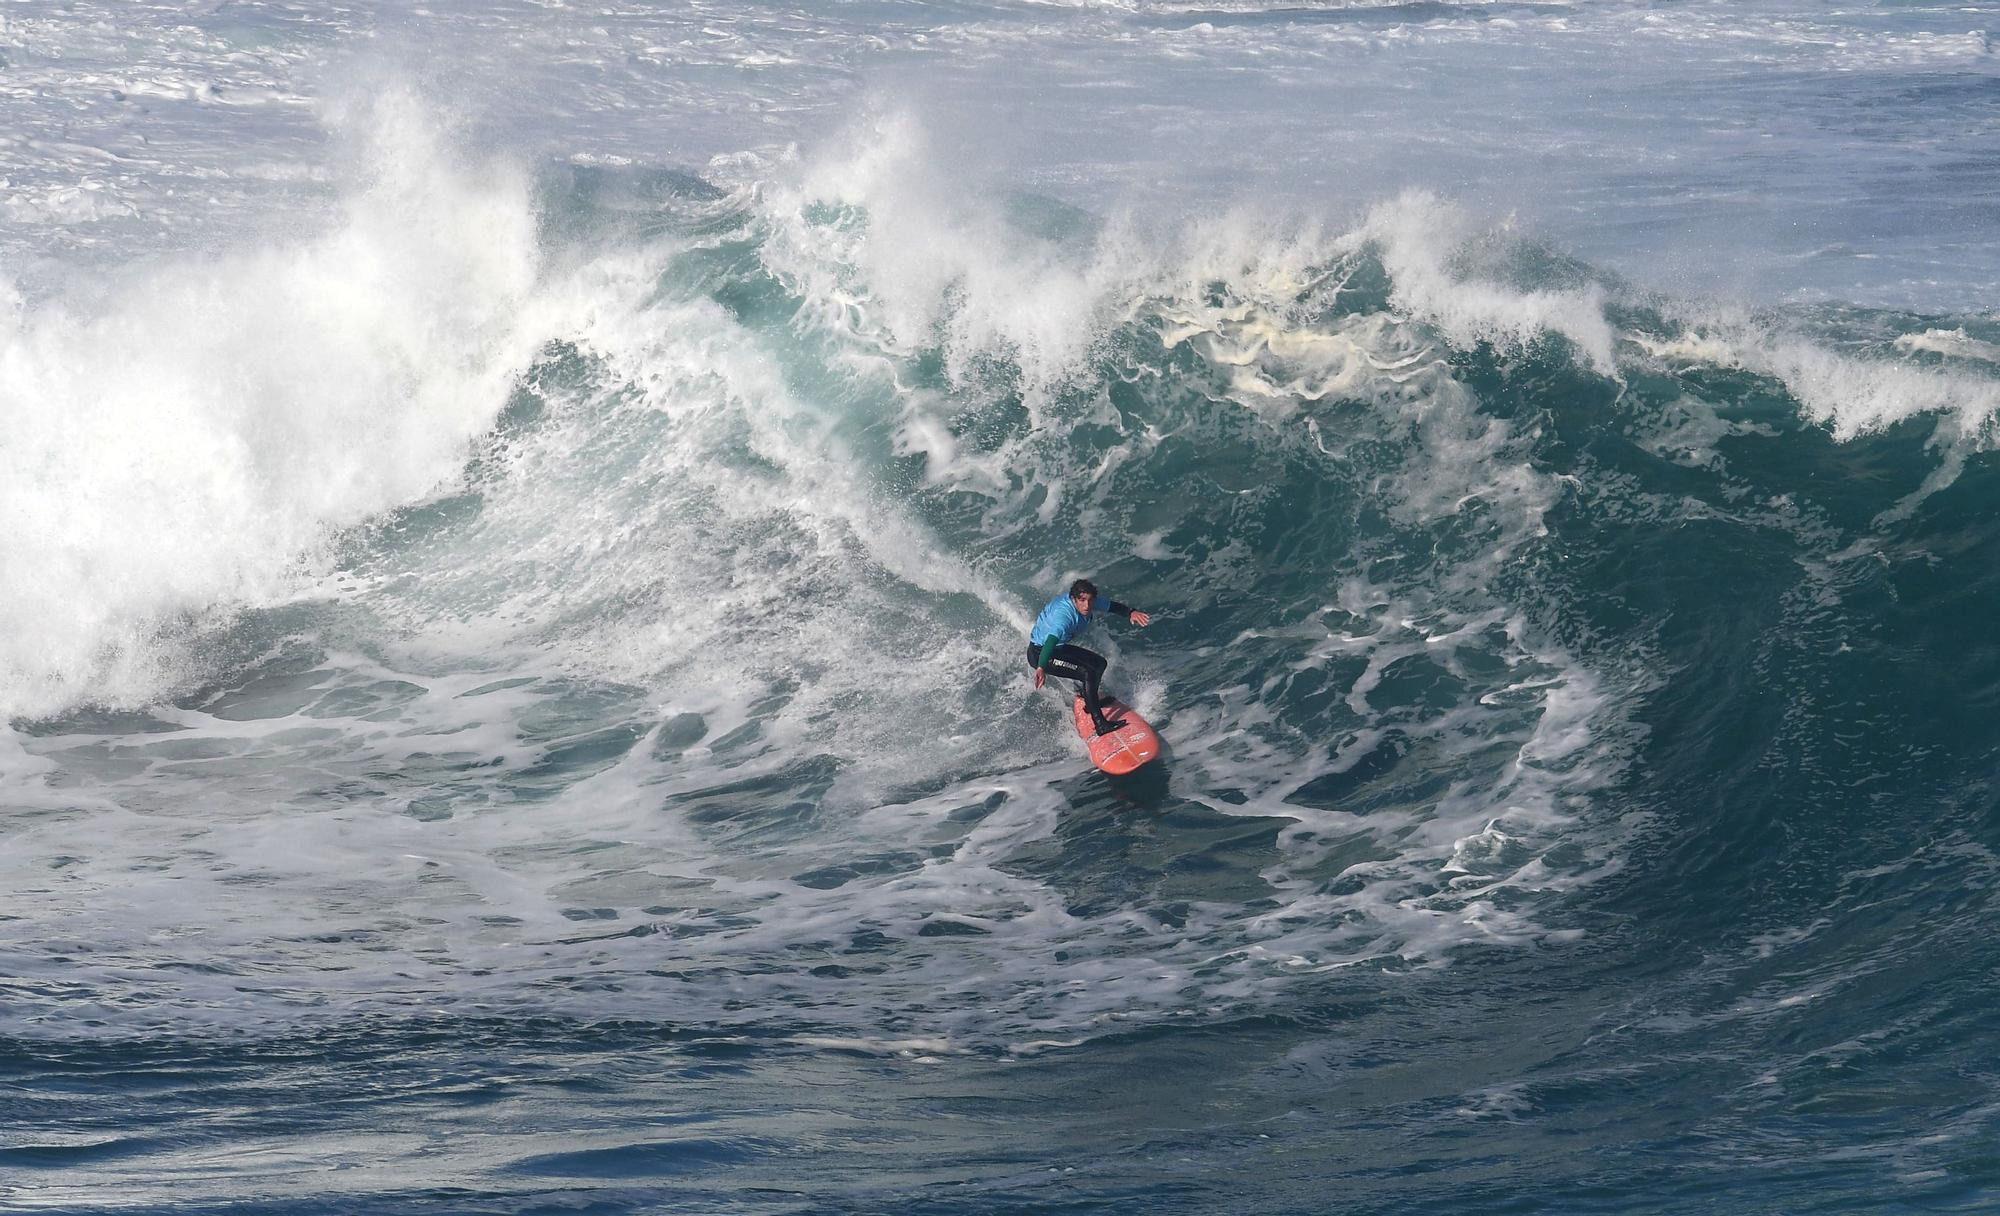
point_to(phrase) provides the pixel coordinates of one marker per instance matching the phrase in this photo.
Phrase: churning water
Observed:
(520, 521)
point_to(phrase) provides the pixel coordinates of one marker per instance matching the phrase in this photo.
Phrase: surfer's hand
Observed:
(1040, 675)
(1141, 619)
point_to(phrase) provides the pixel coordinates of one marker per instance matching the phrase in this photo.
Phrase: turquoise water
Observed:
(515, 703)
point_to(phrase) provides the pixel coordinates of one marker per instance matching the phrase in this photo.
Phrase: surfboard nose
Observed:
(1123, 749)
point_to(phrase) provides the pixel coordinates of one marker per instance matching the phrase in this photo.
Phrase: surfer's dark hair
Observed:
(1082, 586)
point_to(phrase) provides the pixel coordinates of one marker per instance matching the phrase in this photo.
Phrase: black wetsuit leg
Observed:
(1083, 667)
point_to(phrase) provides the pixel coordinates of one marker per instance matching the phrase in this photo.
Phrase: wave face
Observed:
(521, 661)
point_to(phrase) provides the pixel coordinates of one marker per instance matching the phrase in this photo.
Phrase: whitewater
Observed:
(518, 523)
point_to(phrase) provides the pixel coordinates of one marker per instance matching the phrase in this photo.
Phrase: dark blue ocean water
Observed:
(515, 703)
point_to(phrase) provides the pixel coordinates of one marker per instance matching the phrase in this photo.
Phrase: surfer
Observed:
(1049, 648)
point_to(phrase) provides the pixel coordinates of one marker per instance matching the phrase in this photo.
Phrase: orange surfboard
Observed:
(1122, 750)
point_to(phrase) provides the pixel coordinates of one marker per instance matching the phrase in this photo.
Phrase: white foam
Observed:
(185, 444)
(85, 203)
(1952, 342)
(1852, 395)
(918, 249)
(1423, 241)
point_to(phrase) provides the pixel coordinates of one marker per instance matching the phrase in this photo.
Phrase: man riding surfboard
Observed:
(1051, 654)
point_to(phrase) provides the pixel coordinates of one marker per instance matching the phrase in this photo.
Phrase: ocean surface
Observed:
(518, 522)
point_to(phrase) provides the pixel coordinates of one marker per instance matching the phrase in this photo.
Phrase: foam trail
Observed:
(186, 446)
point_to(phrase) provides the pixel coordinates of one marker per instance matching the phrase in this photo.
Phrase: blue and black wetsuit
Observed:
(1049, 648)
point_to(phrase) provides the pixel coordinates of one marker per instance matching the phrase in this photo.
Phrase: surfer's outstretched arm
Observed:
(1136, 616)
